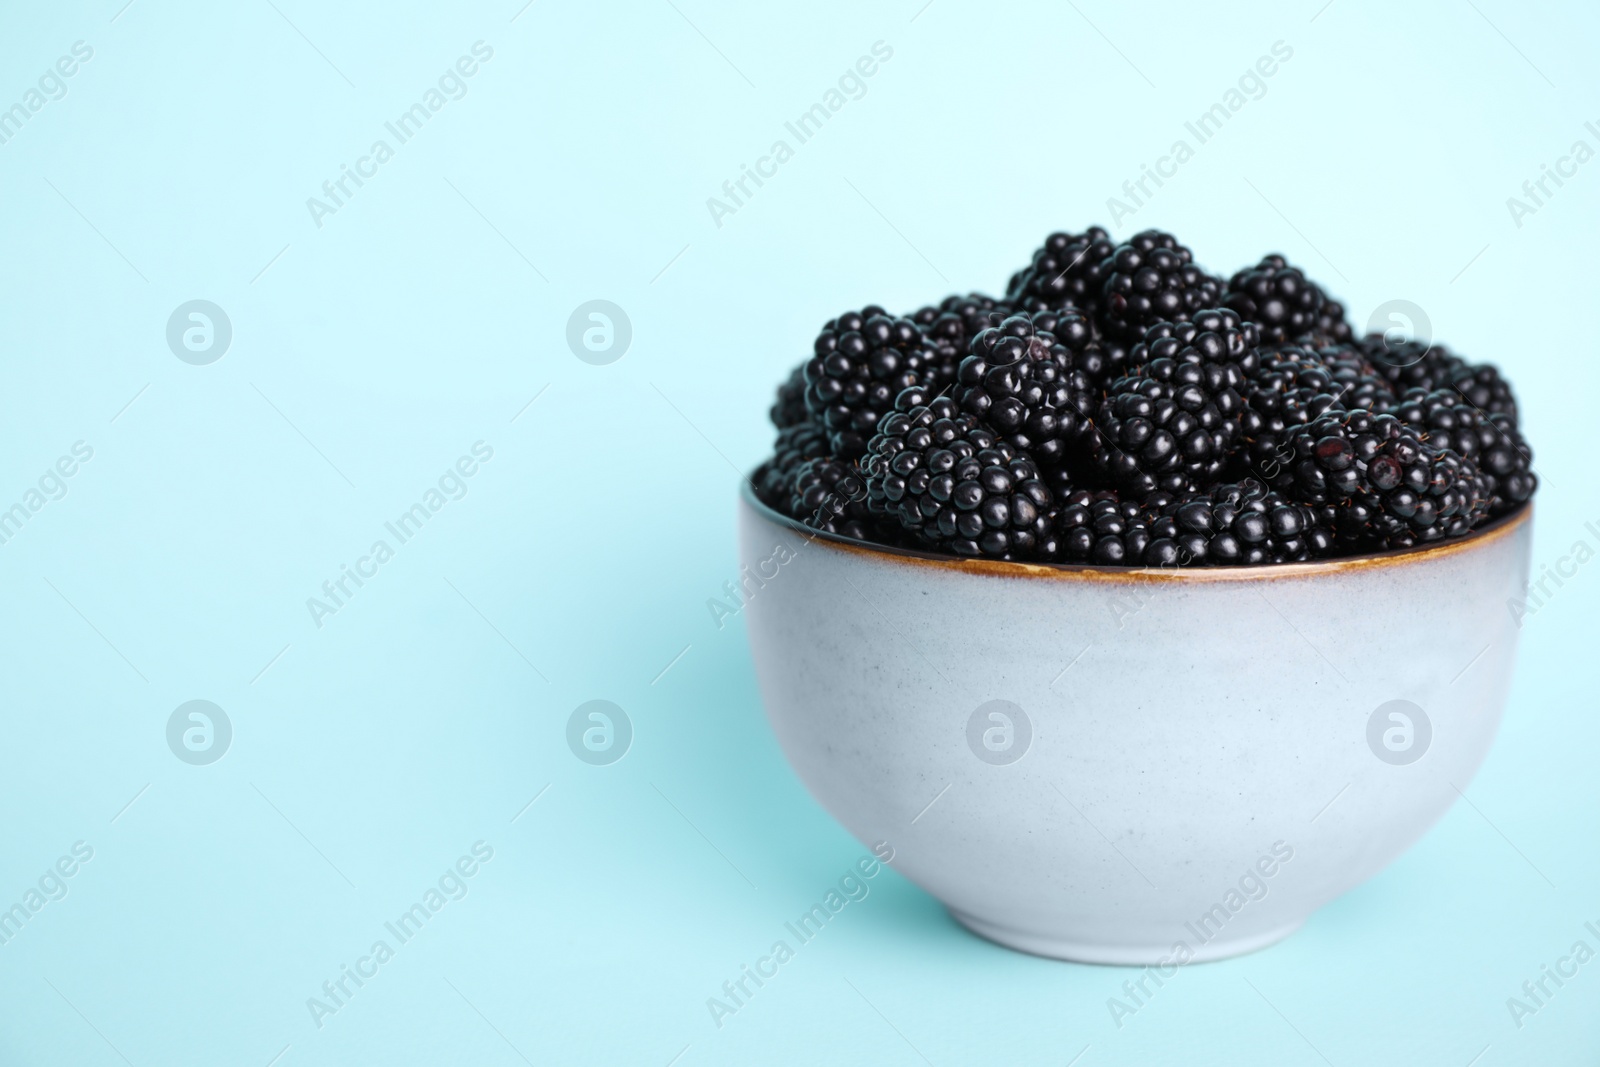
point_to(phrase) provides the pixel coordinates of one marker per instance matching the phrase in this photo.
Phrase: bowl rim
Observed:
(1483, 536)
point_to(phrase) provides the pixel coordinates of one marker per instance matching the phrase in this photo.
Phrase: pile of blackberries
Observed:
(1120, 406)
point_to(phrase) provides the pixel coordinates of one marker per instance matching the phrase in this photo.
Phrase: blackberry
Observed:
(1103, 359)
(1289, 387)
(862, 360)
(1024, 384)
(1484, 389)
(953, 484)
(1332, 326)
(774, 483)
(829, 494)
(1170, 425)
(1416, 365)
(1277, 296)
(1447, 419)
(1099, 528)
(1120, 406)
(1210, 336)
(1357, 383)
(1152, 278)
(1242, 523)
(1329, 455)
(1455, 498)
(789, 409)
(909, 399)
(950, 328)
(1509, 466)
(1388, 487)
(1068, 270)
(1409, 364)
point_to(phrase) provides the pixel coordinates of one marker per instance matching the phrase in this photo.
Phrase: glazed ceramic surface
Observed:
(1132, 766)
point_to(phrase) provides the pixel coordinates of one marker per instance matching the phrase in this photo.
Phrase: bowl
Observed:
(1125, 765)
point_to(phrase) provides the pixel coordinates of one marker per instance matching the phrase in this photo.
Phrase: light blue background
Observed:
(422, 318)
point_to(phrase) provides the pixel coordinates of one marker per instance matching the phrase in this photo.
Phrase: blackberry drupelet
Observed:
(862, 360)
(1068, 270)
(953, 484)
(1277, 296)
(1152, 278)
(1242, 523)
(1022, 383)
(789, 409)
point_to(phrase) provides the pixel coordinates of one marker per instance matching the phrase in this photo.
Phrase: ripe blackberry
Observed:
(1331, 453)
(1121, 406)
(1022, 383)
(1152, 278)
(1357, 383)
(1484, 389)
(1417, 365)
(1242, 523)
(789, 409)
(1278, 296)
(1289, 388)
(950, 327)
(1447, 419)
(1068, 270)
(1171, 424)
(1099, 528)
(1388, 487)
(1332, 326)
(1103, 359)
(908, 400)
(829, 494)
(1213, 335)
(1509, 466)
(954, 485)
(1456, 499)
(774, 483)
(862, 360)
(1409, 364)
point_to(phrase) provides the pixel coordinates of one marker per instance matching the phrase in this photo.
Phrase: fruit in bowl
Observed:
(1142, 612)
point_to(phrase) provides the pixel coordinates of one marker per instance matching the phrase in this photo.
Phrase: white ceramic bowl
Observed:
(1130, 766)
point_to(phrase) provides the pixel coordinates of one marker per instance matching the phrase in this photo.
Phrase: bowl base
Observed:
(1122, 955)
